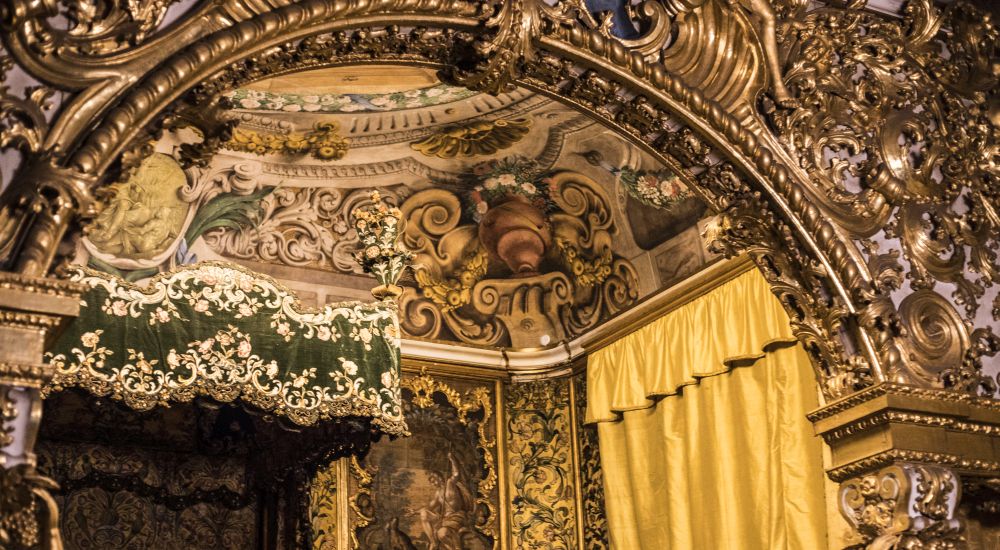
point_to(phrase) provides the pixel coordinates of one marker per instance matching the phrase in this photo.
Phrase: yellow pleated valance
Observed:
(736, 321)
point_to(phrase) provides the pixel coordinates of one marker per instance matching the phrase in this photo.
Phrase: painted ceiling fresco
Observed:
(530, 223)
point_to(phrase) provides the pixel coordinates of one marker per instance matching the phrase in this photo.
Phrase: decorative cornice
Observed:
(885, 418)
(17, 374)
(889, 388)
(28, 320)
(874, 462)
(40, 285)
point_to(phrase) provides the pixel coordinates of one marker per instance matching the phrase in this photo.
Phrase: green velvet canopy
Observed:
(220, 331)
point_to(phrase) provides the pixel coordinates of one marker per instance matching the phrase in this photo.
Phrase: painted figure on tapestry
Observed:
(451, 513)
(435, 490)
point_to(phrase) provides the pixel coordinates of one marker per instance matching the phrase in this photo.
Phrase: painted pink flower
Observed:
(162, 315)
(201, 306)
(206, 346)
(119, 309)
(244, 349)
(90, 339)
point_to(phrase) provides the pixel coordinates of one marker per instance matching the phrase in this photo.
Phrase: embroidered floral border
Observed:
(220, 331)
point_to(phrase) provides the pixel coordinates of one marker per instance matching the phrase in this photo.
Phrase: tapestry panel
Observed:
(540, 457)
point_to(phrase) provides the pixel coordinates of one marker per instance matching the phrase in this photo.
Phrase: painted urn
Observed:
(511, 205)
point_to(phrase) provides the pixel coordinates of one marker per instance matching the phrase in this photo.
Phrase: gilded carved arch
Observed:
(727, 141)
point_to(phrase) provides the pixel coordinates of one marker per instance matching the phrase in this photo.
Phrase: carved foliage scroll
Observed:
(898, 130)
(904, 506)
(541, 465)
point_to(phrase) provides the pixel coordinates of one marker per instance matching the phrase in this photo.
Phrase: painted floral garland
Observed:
(501, 179)
(220, 331)
(347, 103)
(661, 189)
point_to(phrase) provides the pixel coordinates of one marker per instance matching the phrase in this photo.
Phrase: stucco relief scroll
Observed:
(530, 266)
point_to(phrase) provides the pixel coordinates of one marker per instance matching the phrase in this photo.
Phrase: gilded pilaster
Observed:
(31, 311)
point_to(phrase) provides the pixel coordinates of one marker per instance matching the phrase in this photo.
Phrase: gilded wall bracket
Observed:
(905, 505)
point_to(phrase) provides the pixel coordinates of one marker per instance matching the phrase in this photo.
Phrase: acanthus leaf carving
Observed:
(298, 226)
(904, 506)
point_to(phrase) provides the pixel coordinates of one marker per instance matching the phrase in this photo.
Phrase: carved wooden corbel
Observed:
(904, 505)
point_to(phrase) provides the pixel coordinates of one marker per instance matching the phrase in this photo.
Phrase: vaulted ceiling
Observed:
(531, 224)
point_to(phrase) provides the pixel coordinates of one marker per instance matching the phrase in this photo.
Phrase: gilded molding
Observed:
(875, 392)
(918, 419)
(874, 462)
(32, 376)
(822, 263)
(807, 187)
(40, 285)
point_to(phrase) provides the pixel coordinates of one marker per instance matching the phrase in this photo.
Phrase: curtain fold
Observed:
(703, 436)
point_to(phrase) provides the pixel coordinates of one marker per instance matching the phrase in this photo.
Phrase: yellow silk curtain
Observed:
(703, 436)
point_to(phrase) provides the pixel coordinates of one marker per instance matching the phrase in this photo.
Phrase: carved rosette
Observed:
(904, 506)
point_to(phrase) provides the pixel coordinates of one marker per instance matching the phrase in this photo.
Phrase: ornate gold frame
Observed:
(839, 302)
(424, 386)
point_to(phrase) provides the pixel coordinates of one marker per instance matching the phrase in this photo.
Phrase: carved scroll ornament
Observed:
(463, 272)
(898, 131)
(904, 506)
